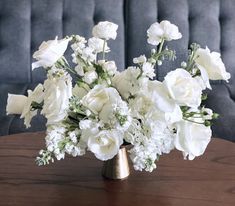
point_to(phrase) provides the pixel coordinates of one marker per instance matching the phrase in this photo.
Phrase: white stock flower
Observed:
(50, 52)
(192, 138)
(97, 44)
(184, 89)
(90, 76)
(140, 60)
(15, 104)
(163, 30)
(88, 54)
(58, 90)
(105, 145)
(212, 63)
(105, 30)
(126, 82)
(148, 70)
(33, 96)
(110, 67)
(79, 69)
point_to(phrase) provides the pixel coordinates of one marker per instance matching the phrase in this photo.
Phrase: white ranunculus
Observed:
(96, 98)
(56, 100)
(184, 89)
(192, 138)
(110, 67)
(163, 30)
(97, 44)
(213, 64)
(105, 145)
(15, 104)
(50, 52)
(105, 30)
(148, 70)
(33, 96)
(140, 60)
(90, 77)
(126, 82)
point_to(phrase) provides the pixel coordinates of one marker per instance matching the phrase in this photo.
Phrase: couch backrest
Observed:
(24, 24)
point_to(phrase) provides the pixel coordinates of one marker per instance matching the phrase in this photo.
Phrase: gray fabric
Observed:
(25, 24)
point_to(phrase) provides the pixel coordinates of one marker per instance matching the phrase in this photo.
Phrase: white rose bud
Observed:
(50, 52)
(15, 104)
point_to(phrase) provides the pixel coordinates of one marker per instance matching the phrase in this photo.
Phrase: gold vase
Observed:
(117, 168)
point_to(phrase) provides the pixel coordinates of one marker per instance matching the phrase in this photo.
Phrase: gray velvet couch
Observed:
(24, 24)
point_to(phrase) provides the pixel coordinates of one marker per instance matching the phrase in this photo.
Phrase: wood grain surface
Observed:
(207, 181)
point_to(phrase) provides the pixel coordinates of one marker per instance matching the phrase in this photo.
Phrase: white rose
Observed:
(175, 116)
(165, 30)
(126, 82)
(50, 52)
(213, 64)
(105, 30)
(56, 100)
(110, 67)
(192, 138)
(105, 145)
(159, 94)
(184, 89)
(33, 96)
(96, 98)
(90, 77)
(15, 104)
(97, 44)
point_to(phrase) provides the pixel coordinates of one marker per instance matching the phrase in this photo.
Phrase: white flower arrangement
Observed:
(100, 109)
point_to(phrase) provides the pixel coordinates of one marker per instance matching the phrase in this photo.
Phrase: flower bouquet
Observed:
(91, 106)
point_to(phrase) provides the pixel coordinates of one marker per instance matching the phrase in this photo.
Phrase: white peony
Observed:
(184, 89)
(105, 30)
(58, 91)
(212, 63)
(192, 138)
(98, 45)
(50, 52)
(105, 145)
(33, 96)
(126, 82)
(162, 31)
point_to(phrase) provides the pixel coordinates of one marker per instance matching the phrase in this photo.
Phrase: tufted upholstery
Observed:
(24, 24)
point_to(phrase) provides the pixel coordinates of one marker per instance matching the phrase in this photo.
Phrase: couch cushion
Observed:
(207, 22)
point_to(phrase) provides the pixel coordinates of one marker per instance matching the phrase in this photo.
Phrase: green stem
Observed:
(161, 46)
(103, 56)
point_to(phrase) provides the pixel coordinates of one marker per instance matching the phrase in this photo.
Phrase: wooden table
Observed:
(209, 180)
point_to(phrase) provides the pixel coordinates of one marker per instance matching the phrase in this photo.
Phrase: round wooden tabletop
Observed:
(208, 180)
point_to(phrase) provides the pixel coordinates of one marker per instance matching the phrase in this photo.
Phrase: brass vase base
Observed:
(117, 168)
